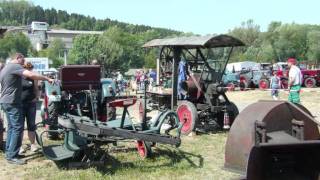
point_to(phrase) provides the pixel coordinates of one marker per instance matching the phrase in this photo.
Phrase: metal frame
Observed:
(174, 48)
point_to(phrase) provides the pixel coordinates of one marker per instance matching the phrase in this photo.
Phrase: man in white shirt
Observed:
(295, 81)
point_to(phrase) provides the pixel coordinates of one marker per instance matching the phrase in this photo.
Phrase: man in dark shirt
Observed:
(10, 100)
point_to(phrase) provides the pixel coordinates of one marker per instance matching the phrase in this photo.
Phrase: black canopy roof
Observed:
(209, 41)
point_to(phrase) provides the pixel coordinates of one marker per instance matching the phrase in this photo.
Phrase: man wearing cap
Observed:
(295, 81)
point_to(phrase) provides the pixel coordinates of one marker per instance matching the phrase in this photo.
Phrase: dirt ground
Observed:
(199, 157)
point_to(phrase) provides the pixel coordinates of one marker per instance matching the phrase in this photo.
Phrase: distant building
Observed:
(39, 26)
(41, 35)
(66, 35)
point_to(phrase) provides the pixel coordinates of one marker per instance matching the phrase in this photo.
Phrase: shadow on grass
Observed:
(111, 165)
(175, 157)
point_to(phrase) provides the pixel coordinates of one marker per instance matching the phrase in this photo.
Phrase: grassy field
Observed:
(199, 157)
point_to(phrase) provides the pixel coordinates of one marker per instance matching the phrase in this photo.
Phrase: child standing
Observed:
(275, 85)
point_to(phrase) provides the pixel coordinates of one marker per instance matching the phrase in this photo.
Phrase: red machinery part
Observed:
(276, 115)
(310, 82)
(123, 102)
(231, 87)
(143, 149)
(188, 115)
(243, 83)
(263, 84)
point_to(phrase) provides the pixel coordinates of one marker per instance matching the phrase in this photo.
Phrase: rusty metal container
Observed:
(277, 119)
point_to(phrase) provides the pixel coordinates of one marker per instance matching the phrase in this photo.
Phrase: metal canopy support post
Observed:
(65, 56)
(158, 71)
(176, 59)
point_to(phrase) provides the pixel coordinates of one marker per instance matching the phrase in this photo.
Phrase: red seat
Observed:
(123, 102)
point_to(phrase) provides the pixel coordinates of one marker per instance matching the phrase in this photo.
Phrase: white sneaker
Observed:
(23, 149)
(275, 98)
(34, 148)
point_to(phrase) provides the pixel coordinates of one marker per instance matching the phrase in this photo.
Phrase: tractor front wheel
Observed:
(243, 85)
(188, 116)
(263, 84)
(310, 82)
(144, 149)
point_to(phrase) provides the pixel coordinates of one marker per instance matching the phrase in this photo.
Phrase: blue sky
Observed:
(197, 16)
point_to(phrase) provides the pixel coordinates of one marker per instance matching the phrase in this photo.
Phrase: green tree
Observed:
(83, 50)
(12, 43)
(55, 52)
(109, 53)
(314, 46)
(250, 34)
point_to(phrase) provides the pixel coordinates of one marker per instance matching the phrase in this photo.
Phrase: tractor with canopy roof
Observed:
(205, 105)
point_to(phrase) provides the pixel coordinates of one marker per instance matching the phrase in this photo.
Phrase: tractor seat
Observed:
(123, 102)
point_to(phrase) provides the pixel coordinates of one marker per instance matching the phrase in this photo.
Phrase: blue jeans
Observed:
(29, 113)
(15, 129)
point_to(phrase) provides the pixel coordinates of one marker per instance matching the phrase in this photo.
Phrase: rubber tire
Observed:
(233, 112)
(53, 111)
(266, 82)
(312, 80)
(194, 116)
(231, 86)
(284, 83)
(243, 85)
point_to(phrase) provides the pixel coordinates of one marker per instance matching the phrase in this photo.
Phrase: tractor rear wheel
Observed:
(284, 83)
(263, 84)
(243, 85)
(310, 82)
(188, 116)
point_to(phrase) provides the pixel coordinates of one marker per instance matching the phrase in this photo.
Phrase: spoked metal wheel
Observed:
(166, 57)
(188, 115)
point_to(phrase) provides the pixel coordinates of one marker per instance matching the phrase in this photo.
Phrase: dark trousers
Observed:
(29, 114)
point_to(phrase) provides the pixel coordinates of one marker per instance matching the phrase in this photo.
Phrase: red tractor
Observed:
(311, 78)
(282, 72)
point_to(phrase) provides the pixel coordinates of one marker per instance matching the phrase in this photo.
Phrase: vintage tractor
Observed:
(311, 78)
(231, 80)
(281, 68)
(206, 105)
(52, 98)
(80, 117)
(274, 140)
